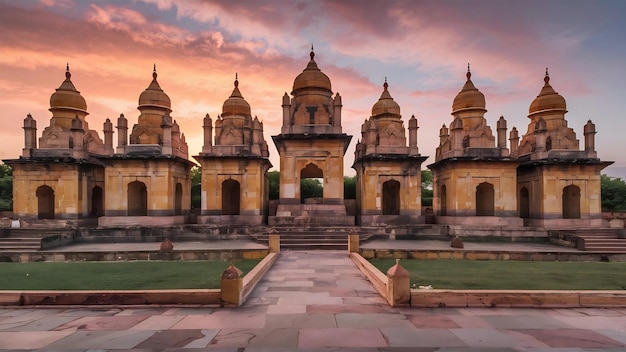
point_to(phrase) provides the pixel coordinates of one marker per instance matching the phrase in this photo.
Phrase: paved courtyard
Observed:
(312, 301)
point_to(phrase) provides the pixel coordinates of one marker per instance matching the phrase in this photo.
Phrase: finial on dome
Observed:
(468, 74)
(236, 80)
(154, 73)
(385, 85)
(312, 53)
(67, 71)
(546, 79)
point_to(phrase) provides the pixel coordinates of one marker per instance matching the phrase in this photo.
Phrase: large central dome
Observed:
(312, 77)
(236, 104)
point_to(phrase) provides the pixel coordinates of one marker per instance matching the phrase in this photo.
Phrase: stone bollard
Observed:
(274, 241)
(398, 286)
(353, 242)
(231, 285)
(166, 246)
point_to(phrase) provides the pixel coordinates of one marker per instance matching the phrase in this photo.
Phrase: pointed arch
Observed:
(137, 199)
(443, 199)
(571, 202)
(485, 199)
(524, 203)
(97, 202)
(231, 197)
(45, 202)
(391, 197)
(178, 199)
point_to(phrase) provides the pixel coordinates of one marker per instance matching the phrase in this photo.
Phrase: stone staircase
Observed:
(313, 237)
(311, 215)
(33, 239)
(601, 240)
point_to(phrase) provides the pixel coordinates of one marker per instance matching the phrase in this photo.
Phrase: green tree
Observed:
(311, 188)
(349, 187)
(196, 187)
(427, 188)
(6, 187)
(274, 179)
(613, 190)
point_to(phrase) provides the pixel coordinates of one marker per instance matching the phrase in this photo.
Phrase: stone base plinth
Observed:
(117, 221)
(231, 219)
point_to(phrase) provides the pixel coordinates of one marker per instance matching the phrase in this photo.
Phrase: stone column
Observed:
(122, 134)
(107, 129)
(286, 109)
(413, 149)
(166, 125)
(208, 134)
(514, 140)
(501, 126)
(337, 110)
(590, 132)
(30, 136)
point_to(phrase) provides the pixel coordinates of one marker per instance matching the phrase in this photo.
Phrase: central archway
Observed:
(97, 203)
(178, 200)
(443, 199)
(311, 184)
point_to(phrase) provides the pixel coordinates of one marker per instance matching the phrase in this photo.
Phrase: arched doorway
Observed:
(443, 199)
(231, 198)
(485, 200)
(571, 202)
(178, 200)
(524, 203)
(137, 199)
(311, 183)
(391, 197)
(97, 202)
(45, 202)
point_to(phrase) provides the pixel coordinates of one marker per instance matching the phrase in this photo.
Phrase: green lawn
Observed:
(138, 275)
(512, 275)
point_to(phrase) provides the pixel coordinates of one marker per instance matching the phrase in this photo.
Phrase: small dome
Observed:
(385, 104)
(154, 96)
(547, 99)
(67, 97)
(312, 77)
(236, 104)
(469, 97)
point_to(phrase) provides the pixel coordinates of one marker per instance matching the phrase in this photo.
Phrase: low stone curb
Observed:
(438, 298)
(204, 297)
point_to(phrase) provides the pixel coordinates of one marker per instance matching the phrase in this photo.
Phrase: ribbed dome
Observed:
(312, 77)
(67, 97)
(154, 96)
(385, 104)
(469, 97)
(236, 104)
(547, 99)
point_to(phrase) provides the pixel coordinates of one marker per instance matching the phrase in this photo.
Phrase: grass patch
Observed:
(512, 275)
(137, 275)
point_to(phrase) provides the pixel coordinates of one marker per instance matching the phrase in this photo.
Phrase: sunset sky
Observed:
(422, 47)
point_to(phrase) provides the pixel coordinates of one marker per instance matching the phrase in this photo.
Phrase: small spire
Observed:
(236, 80)
(546, 79)
(312, 53)
(68, 75)
(154, 73)
(385, 85)
(468, 74)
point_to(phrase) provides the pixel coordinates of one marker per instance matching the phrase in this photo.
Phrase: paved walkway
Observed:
(313, 301)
